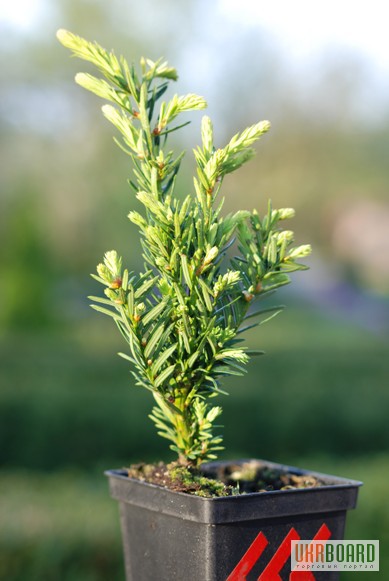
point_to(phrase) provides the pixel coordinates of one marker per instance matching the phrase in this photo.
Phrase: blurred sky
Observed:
(303, 28)
(324, 50)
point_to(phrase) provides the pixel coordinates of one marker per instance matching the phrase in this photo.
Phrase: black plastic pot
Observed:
(174, 536)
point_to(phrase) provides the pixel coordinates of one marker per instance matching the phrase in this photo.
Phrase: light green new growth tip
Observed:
(182, 316)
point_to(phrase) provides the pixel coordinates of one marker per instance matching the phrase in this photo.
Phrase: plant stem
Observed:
(182, 426)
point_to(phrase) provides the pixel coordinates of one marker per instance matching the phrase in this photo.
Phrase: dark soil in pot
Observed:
(225, 479)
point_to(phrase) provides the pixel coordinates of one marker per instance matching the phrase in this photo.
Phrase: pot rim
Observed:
(340, 494)
(331, 481)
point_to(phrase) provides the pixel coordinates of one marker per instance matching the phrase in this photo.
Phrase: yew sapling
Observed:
(183, 316)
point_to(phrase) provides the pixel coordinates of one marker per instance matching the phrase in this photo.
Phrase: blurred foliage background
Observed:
(68, 410)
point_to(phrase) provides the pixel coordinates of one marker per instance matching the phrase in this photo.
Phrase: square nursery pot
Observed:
(175, 536)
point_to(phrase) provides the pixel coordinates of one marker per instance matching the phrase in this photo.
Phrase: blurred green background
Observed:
(68, 409)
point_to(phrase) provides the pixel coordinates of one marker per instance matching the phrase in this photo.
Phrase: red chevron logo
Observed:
(277, 562)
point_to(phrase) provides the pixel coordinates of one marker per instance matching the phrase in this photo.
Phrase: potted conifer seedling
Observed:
(182, 319)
